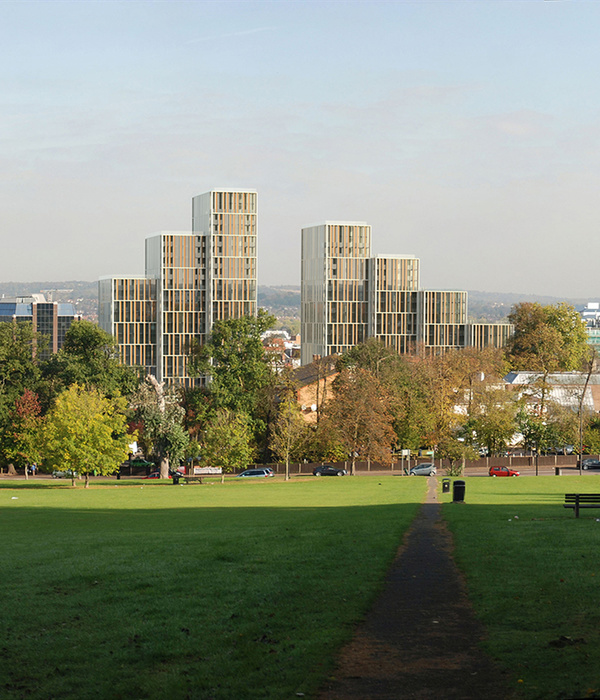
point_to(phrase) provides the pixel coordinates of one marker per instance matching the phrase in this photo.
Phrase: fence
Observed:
(403, 466)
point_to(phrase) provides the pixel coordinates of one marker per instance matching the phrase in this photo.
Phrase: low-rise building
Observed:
(50, 319)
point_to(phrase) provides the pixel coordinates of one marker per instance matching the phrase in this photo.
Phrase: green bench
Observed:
(581, 500)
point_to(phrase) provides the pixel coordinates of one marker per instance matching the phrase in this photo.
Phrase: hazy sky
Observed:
(466, 133)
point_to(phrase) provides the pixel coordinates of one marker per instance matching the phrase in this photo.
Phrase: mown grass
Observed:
(533, 575)
(241, 590)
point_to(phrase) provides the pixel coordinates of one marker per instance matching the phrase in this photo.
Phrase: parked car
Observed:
(424, 469)
(328, 470)
(66, 474)
(590, 464)
(156, 475)
(503, 471)
(256, 473)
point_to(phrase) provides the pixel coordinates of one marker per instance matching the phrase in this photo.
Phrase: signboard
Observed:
(202, 471)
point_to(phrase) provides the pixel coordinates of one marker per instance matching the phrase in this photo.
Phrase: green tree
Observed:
(157, 411)
(18, 370)
(591, 435)
(493, 420)
(228, 441)
(86, 433)
(236, 362)
(89, 357)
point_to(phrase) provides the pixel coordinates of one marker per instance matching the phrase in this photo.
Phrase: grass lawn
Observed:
(533, 573)
(241, 590)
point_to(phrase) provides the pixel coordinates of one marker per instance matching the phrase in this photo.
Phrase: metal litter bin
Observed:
(445, 485)
(458, 491)
(175, 479)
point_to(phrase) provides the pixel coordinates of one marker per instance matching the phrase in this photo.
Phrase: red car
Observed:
(502, 471)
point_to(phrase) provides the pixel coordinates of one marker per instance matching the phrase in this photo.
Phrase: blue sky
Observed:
(466, 133)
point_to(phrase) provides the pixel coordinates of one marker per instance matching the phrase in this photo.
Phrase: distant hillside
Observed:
(283, 301)
(494, 307)
(83, 295)
(280, 301)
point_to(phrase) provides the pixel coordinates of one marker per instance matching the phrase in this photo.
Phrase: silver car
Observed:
(425, 469)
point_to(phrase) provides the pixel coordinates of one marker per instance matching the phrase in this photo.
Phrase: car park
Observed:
(590, 464)
(328, 470)
(256, 473)
(502, 471)
(424, 469)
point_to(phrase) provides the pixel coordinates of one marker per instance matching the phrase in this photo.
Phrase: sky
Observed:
(466, 133)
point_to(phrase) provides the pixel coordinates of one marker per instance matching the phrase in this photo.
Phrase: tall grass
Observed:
(241, 590)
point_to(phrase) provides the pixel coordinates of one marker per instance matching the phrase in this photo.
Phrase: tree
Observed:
(89, 357)
(228, 441)
(157, 410)
(546, 339)
(360, 416)
(288, 436)
(236, 362)
(86, 433)
(21, 437)
(492, 419)
(18, 370)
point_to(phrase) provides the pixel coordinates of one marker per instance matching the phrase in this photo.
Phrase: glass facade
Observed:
(193, 278)
(227, 222)
(335, 287)
(127, 310)
(49, 319)
(348, 296)
(394, 284)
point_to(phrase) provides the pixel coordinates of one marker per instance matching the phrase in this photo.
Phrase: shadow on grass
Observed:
(186, 602)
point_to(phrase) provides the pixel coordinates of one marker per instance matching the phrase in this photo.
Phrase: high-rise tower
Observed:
(348, 296)
(192, 279)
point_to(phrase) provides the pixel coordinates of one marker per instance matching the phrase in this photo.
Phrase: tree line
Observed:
(80, 408)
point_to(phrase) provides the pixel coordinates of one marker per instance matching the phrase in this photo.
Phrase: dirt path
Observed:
(420, 640)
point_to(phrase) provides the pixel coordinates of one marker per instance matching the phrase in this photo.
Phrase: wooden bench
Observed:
(581, 500)
(191, 479)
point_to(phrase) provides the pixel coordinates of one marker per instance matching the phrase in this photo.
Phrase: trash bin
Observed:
(458, 491)
(175, 479)
(118, 474)
(557, 471)
(445, 485)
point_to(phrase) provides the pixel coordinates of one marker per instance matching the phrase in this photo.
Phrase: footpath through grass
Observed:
(533, 573)
(241, 590)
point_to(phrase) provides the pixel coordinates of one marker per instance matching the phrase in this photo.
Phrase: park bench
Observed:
(190, 479)
(581, 500)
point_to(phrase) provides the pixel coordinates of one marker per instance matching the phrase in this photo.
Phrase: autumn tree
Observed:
(85, 432)
(359, 415)
(546, 339)
(20, 440)
(289, 432)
